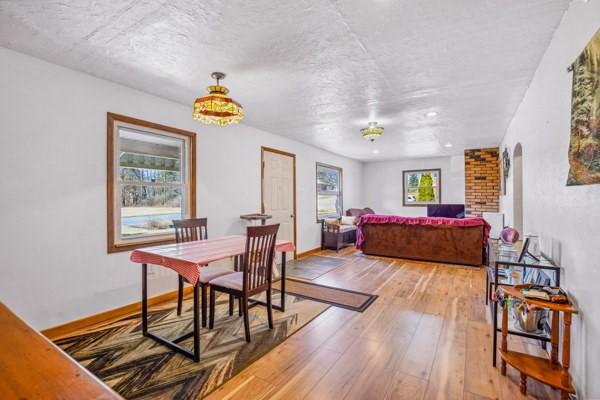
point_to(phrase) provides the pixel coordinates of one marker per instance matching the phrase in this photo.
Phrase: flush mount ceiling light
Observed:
(372, 132)
(431, 114)
(448, 144)
(217, 108)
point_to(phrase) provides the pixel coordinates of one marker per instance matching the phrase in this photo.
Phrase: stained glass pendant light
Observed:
(217, 108)
(372, 132)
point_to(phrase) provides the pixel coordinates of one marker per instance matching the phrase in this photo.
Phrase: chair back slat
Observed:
(258, 257)
(188, 230)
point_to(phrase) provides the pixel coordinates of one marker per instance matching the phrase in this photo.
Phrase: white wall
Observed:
(567, 218)
(54, 265)
(383, 183)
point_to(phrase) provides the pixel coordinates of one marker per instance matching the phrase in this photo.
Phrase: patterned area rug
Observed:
(312, 267)
(139, 368)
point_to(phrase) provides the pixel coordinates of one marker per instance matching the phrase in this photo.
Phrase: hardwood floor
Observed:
(427, 336)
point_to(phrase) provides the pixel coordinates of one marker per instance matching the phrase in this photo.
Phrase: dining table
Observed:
(187, 259)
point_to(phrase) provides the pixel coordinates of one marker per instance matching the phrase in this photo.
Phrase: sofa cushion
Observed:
(354, 212)
(231, 281)
(348, 220)
(357, 212)
(211, 272)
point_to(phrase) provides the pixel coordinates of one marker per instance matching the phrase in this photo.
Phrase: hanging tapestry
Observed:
(584, 148)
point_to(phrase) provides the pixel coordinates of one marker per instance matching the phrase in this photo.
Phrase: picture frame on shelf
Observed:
(525, 251)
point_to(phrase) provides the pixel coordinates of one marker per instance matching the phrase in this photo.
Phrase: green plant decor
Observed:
(426, 194)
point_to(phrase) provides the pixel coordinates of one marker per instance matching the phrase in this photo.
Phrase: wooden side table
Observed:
(548, 371)
(336, 236)
(506, 261)
(256, 217)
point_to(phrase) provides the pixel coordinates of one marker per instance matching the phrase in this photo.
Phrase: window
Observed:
(329, 191)
(422, 187)
(151, 181)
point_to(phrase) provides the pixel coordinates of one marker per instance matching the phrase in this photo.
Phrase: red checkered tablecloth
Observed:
(187, 258)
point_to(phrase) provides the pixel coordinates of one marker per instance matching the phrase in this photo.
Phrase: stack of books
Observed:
(546, 293)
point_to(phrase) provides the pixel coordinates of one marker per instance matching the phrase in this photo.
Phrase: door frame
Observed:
(264, 149)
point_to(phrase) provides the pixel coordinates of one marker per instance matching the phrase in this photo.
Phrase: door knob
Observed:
(291, 215)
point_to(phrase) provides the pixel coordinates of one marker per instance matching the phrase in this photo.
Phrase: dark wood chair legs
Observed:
(254, 278)
(204, 305)
(270, 309)
(243, 308)
(246, 318)
(211, 320)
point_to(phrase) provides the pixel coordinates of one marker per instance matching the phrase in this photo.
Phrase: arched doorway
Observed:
(518, 189)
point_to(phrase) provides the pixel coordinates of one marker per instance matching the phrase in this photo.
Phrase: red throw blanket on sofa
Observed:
(396, 219)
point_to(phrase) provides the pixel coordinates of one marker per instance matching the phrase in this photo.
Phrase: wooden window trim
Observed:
(405, 189)
(341, 170)
(111, 119)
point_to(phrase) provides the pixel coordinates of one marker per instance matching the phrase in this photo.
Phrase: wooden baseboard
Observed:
(308, 253)
(66, 329)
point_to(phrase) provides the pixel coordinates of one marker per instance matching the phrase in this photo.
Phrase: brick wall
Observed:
(482, 180)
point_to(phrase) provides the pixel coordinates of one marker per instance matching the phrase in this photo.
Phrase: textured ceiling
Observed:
(317, 70)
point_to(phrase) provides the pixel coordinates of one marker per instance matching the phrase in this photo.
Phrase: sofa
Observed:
(447, 240)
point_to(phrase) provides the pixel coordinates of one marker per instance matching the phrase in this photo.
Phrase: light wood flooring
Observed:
(427, 336)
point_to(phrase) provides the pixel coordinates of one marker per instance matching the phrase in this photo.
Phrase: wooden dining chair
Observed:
(255, 276)
(187, 230)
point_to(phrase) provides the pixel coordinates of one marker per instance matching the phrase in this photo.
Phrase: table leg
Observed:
(554, 327)
(196, 322)
(172, 344)
(495, 317)
(487, 287)
(494, 332)
(283, 281)
(523, 384)
(505, 340)
(144, 299)
(566, 351)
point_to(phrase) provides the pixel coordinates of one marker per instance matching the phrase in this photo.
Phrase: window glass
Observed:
(150, 182)
(422, 187)
(329, 191)
(147, 210)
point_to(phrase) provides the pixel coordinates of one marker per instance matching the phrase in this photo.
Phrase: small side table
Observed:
(256, 217)
(499, 260)
(548, 371)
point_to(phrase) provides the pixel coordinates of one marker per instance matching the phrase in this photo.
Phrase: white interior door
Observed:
(278, 192)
